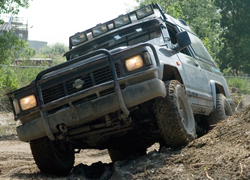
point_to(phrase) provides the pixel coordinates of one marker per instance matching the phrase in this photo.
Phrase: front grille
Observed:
(90, 79)
(53, 93)
(102, 75)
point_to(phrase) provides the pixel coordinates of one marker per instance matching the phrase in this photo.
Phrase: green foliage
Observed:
(12, 6)
(10, 44)
(242, 83)
(16, 77)
(27, 53)
(8, 79)
(55, 52)
(202, 16)
(235, 42)
(227, 71)
(222, 25)
(58, 60)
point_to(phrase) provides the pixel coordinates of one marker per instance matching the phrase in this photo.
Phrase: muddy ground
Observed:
(222, 154)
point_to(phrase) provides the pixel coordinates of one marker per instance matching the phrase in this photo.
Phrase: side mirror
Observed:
(183, 41)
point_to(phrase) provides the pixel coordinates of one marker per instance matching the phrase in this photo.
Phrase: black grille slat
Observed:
(117, 70)
(102, 75)
(53, 93)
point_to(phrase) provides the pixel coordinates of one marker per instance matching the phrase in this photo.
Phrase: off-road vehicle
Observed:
(140, 78)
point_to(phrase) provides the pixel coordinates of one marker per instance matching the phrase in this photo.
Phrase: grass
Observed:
(242, 83)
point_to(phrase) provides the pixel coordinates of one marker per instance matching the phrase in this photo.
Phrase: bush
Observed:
(15, 77)
(242, 83)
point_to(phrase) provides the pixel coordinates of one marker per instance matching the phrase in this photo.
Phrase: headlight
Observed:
(16, 106)
(134, 63)
(28, 102)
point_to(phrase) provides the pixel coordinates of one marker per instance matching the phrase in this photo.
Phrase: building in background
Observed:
(19, 25)
(6, 26)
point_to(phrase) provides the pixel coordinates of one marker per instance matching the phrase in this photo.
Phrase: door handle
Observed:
(196, 63)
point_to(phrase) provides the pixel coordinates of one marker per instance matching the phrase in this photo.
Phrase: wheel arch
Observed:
(171, 73)
(216, 88)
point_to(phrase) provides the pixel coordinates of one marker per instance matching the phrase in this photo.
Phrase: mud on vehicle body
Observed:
(127, 83)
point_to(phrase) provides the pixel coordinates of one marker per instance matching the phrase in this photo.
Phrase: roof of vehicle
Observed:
(157, 13)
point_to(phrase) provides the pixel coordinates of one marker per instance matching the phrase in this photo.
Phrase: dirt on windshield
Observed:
(222, 154)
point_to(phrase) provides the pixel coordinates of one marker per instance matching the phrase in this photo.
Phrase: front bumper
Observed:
(86, 112)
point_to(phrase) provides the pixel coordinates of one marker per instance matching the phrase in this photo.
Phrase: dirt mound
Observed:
(224, 153)
(234, 90)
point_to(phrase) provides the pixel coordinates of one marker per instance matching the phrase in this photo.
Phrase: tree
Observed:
(55, 52)
(12, 6)
(27, 53)
(235, 51)
(9, 43)
(55, 49)
(201, 15)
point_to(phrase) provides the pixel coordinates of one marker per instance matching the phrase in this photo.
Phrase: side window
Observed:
(172, 33)
(199, 48)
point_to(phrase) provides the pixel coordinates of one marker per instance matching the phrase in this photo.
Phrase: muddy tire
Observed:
(174, 116)
(51, 157)
(222, 111)
(125, 153)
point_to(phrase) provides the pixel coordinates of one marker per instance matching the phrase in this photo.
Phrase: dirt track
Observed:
(222, 154)
(16, 161)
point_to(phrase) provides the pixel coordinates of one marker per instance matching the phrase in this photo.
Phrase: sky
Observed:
(56, 20)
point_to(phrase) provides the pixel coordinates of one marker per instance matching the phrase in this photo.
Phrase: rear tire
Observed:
(222, 111)
(174, 116)
(52, 157)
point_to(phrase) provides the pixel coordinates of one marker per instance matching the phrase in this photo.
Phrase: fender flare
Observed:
(216, 87)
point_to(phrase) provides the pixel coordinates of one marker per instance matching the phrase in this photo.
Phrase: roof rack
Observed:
(120, 21)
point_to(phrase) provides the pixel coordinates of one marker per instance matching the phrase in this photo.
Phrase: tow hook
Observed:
(64, 130)
(126, 119)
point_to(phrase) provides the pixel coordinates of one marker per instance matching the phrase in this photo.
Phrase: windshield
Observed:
(146, 32)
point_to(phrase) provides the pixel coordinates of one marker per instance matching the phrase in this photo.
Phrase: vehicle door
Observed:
(197, 83)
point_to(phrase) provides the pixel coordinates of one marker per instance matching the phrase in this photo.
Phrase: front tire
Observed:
(174, 116)
(52, 157)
